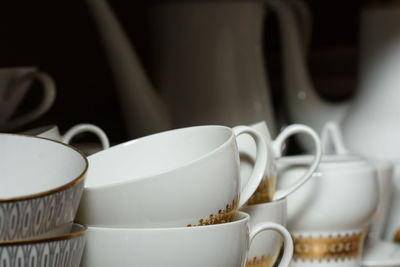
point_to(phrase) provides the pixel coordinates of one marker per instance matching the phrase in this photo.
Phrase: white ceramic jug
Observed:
(209, 65)
(373, 113)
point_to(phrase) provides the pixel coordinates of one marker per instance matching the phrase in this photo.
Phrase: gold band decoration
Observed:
(330, 248)
(265, 191)
(223, 216)
(396, 237)
(262, 262)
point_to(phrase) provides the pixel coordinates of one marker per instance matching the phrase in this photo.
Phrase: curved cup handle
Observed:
(331, 136)
(287, 239)
(260, 162)
(277, 148)
(49, 95)
(85, 127)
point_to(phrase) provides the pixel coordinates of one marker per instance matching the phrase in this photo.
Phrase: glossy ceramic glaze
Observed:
(329, 215)
(52, 132)
(266, 191)
(265, 247)
(222, 245)
(42, 185)
(187, 176)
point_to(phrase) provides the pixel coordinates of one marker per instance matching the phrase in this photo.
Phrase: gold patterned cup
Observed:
(266, 191)
(220, 245)
(265, 247)
(41, 187)
(329, 216)
(183, 177)
(53, 251)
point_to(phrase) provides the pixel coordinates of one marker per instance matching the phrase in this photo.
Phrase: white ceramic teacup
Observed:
(52, 132)
(266, 191)
(265, 247)
(15, 82)
(41, 185)
(222, 245)
(187, 176)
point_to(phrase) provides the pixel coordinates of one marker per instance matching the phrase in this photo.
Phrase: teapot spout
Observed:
(303, 104)
(143, 109)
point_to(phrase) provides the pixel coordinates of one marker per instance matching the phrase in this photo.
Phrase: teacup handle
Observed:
(49, 95)
(331, 136)
(85, 127)
(277, 150)
(287, 239)
(260, 162)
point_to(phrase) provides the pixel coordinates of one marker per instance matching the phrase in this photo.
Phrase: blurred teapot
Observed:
(210, 65)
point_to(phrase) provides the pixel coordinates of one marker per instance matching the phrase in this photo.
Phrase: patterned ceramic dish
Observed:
(55, 251)
(40, 187)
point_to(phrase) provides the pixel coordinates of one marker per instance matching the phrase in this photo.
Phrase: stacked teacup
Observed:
(40, 187)
(266, 204)
(172, 199)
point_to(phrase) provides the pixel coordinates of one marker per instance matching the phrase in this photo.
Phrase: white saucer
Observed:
(381, 253)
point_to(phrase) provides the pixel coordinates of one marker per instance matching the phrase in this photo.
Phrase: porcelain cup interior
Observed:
(43, 187)
(334, 207)
(223, 245)
(187, 176)
(266, 246)
(34, 166)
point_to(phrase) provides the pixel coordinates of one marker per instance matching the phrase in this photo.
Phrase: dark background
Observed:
(61, 39)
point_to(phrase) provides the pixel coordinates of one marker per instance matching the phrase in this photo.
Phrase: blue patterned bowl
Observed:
(41, 184)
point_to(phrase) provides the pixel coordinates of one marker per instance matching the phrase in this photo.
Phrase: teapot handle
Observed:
(331, 137)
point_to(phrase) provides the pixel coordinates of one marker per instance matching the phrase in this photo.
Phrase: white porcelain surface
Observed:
(222, 245)
(52, 132)
(15, 82)
(266, 191)
(173, 178)
(42, 185)
(339, 200)
(381, 254)
(265, 247)
(392, 227)
(36, 165)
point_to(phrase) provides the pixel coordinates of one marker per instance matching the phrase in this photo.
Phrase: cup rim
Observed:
(73, 234)
(167, 170)
(72, 183)
(244, 216)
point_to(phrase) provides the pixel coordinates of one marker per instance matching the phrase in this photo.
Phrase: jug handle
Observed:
(331, 136)
(49, 94)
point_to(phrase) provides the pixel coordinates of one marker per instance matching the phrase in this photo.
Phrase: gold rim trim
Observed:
(223, 216)
(330, 248)
(262, 262)
(54, 190)
(72, 235)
